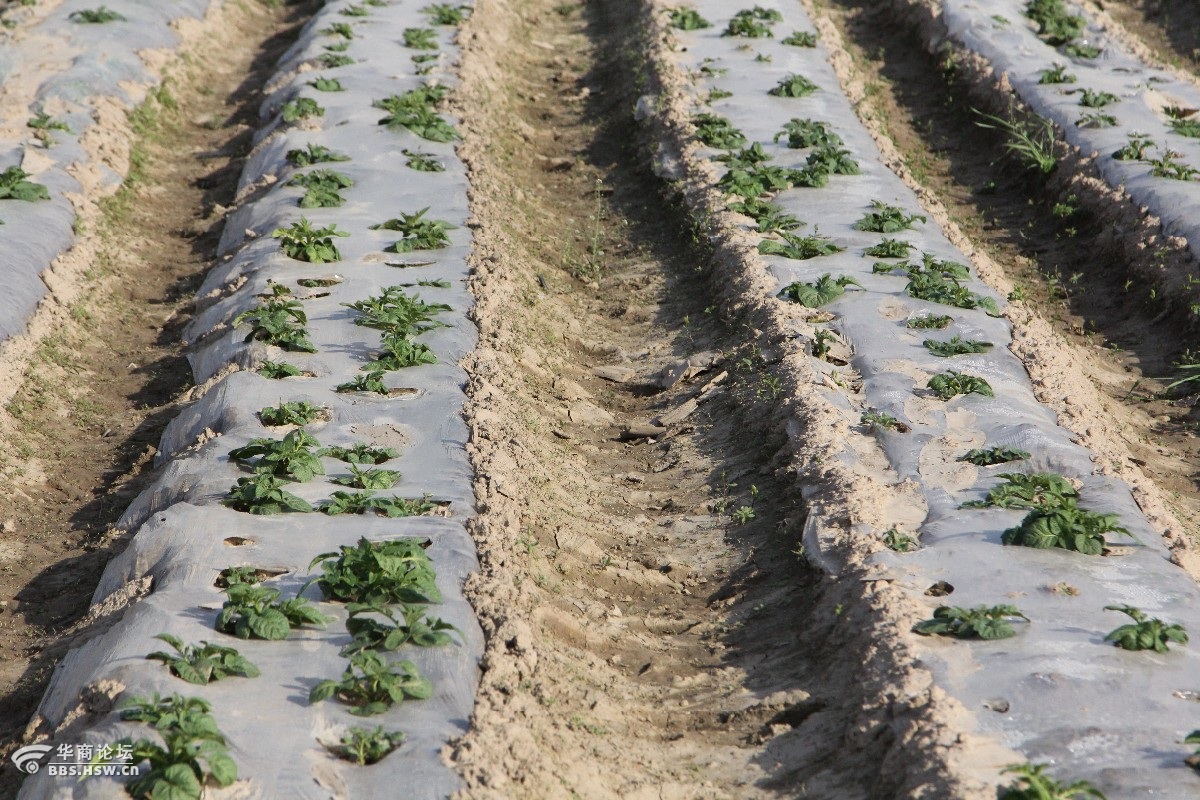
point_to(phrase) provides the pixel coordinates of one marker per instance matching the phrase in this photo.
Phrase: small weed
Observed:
(1031, 142)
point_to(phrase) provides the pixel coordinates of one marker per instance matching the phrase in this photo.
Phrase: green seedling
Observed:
(899, 542)
(340, 47)
(303, 242)
(802, 133)
(419, 233)
(1035, 784)
(203, 663)
(1080, 50)
(948, 385)
(716, 131)
(279, 369)
(400, 352)
(1033, 490)
(14, 186)
(1066, 526)
(1095, 121)
(1056, 74)
(408, 625)
(1145, 633)
(363, 502)
(313, 154)
(826, 160)
(980, 622)
(794, 86)
(397, 312)
(938, 288)
(930, 321)
(687, 19)
(280, 322)
(747, 158)
(1135, 149)
(368, 478)
(323, 188)
(889, 248)
(1030, 142)
(263, 494)
(341, 29)
(986, 457)
(371, 686)
(95, 16)
(771, 218)
(361, 453)
(821, 344)
(414, 110)
(709, 69)
(256, 612)
(334, 60)
(1090, 98)
(231, 575)
(422, 162)
(293, 412)
(446, 14)
(301, 108)
(824, 289)
(355, 10)
(880, 420)
(1186, 127)
(887, 219)
(1055, 24)
(957, 346)
(365, 746)
(327, 85)
(801, 248)
(754, 23)
(754, 181)
(43, 123)
(192, 754)
(420, 38)
(425, 62)
(1168, 167)
(378, 573)
(291, 457)
(371, 382)
(801, 39)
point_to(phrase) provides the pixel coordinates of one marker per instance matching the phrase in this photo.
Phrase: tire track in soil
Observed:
(80, 433)
(1075, 273)
(641, 644)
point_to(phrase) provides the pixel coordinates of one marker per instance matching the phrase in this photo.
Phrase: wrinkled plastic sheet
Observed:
(184, 536)
(1062, 694)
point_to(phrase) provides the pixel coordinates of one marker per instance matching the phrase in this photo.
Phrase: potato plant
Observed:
(313, 154)
(988, 456)
(253, 611)
(419, 233)
(880, 420)
(1034, 784)
(96, 16)
(361, 453)
(414, 110)
(322, 188)
(300, 108)
(203, 663)
(367, 501)
(801, 39)
(365, 746)
(956, 346)
(370, 685)
(687, 19)
(1066, 526)
(15, 185)
(754, 23)
(981, 622)
(948, 385)
(293, 412)
(824, 290)
(292, 457)
(303, 242)
(1145, 633)
(377, 573)
(794, 86)
(802, 133)
(717, 131)
(420, 38)
(263, 494)
(446, 13)
(886, 219)
(368, 478)
(407, 624)
(278, 321)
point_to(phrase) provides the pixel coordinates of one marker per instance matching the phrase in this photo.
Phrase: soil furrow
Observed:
(80, 432)
(653, 629)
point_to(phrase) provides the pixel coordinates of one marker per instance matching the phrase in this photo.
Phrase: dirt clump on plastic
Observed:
(105, 370)
(656, 626)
